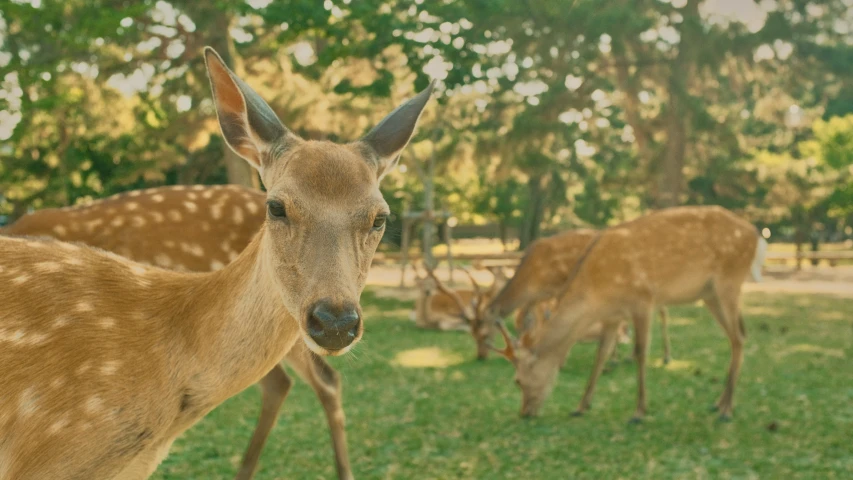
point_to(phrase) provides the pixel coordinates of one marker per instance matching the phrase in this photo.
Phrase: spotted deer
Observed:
(672, 256)
(195, 228)
(436, 309)
(469, 309)
(106, 361)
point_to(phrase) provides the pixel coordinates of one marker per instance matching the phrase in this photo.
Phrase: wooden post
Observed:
(448, 239)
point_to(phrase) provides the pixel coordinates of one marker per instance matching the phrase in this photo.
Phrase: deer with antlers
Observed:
(107, 361)
(437, 309)
(673, 256)
(196, 228)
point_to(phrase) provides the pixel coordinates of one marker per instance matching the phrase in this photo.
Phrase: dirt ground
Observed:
(823, 280)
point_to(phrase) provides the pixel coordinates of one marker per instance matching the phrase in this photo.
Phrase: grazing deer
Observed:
(673, 256)
(107, 361)
(543, 310)
(198, 228)
(435, 309)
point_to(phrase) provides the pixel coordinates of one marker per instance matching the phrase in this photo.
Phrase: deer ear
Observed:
(248, 124)
(387, 140)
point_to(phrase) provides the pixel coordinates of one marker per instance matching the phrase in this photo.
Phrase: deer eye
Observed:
(379, 221)
(276, 209)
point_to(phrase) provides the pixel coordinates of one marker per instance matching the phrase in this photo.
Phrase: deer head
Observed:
(533, 376)
(325, 213)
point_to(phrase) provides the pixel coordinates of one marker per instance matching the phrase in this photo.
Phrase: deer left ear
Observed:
(388, 139)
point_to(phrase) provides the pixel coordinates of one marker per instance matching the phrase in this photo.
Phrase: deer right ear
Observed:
(248, 124)
(388, 139)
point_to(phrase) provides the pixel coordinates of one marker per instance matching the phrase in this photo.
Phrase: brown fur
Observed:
(196, 228)
(108, 361)
(669, 257)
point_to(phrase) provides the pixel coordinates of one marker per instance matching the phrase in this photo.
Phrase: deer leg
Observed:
(664, 333)
(641, 347)
(605, 347)
(274, 386)
(727, 312)
(326, 383)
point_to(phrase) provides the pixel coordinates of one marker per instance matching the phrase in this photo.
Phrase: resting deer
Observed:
(673, 256)
(198, 228)
(435, 309)
(107, 361)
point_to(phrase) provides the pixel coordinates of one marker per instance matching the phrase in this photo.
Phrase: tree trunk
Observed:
(532, 222)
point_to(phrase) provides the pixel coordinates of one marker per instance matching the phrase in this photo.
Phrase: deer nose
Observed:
(333, 328)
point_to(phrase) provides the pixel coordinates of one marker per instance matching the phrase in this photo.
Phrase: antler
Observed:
(473, 282)
(465, 309)
(508, 351)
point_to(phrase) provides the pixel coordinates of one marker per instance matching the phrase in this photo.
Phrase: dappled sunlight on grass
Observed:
(764, 310)
(673, 364)
(428, 357)
(681, 321)
(807, 348)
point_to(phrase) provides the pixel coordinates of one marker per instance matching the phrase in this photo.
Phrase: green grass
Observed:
(793, 416)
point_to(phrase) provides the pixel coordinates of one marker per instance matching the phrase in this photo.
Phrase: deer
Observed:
(536, 316)
(436, 309)
(196, 228)
(672, 256)
(107, 361)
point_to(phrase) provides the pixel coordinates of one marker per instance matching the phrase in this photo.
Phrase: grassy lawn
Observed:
(794, 414)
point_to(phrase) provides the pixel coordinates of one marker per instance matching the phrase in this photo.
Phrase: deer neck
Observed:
(235, 327)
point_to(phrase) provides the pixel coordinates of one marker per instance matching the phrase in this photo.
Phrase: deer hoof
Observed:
(577, 413)
(724, 418)
(635, 420)
(666, 360)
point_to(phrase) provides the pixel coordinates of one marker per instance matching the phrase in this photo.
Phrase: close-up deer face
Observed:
(325, 213)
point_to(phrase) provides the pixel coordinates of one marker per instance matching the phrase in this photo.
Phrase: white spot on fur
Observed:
(93, 404)
(73, 261)
(131, 206)
(191, 207)
(20, 279)
(138, 221)
(27, 402)
(169, 243)
(158, 198)
(157, 217)
(193, 249)
(238, 215)
(216, 265)
(138, 269)
(192, 196)
(117, 222)
(216, 211)
(84, 307)
(91, 225)
(207, 195)
(134, 193)
(226, 246)
(252, 207)
(84, 367)
(107, 322)
(48, 267)
(198, 188)
(178, 188)
(174, 215)
(57, 382)
(58, 425)
(205, 226)
(232, 256)
(61, 321)
(109, 368)
(162, 260)
(60, 230)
